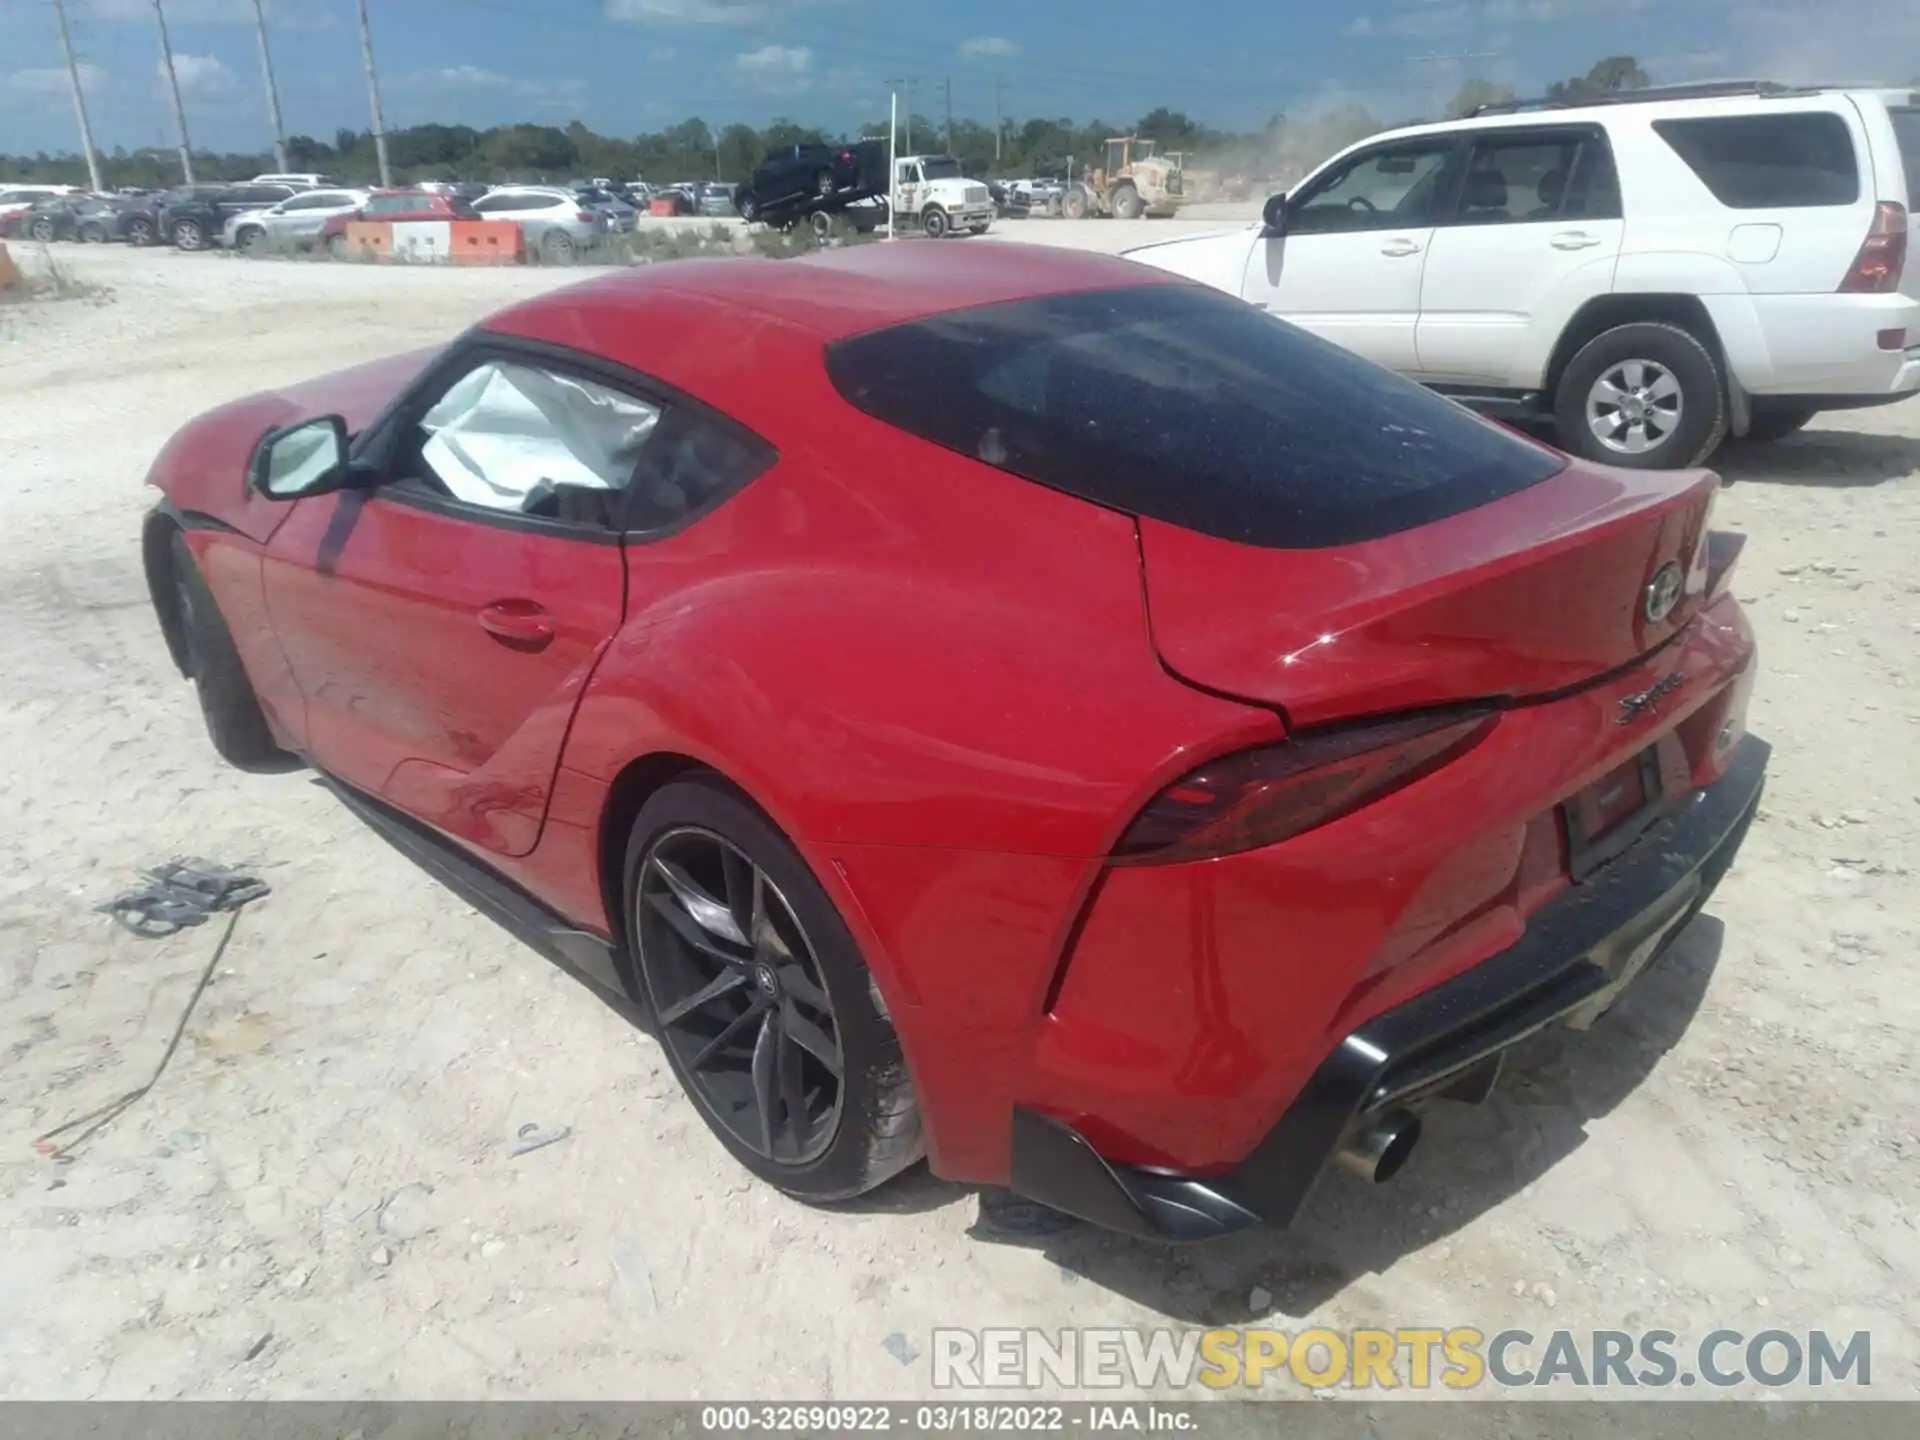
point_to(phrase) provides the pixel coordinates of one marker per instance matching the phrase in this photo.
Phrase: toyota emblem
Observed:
(1663, 592)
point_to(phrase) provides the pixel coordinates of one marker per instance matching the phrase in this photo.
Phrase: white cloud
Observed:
(776, 69)
(38, 84)
(1410, 24)
(567, 95)
(696, 12)
(988, 47)
(198, 75)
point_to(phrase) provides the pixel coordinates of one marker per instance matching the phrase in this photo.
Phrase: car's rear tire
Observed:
(235, 723)
(558, 248)
(1645, 396)
(187, 235)
(1770, 425)
(139, 232)
(789, 1003)
(42, 231)
(934, 221)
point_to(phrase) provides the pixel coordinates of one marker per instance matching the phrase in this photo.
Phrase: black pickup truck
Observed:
(797, 180)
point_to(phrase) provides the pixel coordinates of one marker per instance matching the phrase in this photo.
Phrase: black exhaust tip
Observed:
(1379, 1152)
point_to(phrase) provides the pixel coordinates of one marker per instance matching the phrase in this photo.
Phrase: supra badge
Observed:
(1663, 592)
(1647, 701)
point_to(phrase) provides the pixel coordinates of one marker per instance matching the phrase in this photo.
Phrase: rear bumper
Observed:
(1578, 953)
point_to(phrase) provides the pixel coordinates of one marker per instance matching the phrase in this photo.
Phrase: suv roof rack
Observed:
(1705, 90)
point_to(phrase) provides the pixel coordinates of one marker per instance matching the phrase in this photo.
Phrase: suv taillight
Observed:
(1258, 797)
(1876, 269)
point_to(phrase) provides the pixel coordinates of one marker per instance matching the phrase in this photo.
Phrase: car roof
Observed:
(837, 293)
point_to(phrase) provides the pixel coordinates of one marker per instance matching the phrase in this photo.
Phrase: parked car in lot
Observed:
(196, 219)
(556, 225)
(304, 179)
(137, 221)
(16, 200)
(293, 224)
(1652, 273)
(391, 206)
(771, 641)
(1008, 202)
(620, 216)
(52, 217)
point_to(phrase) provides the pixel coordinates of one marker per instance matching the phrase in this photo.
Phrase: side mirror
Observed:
(1274, 214)
(305, 459)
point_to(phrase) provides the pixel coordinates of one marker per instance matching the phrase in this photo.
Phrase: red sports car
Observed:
(1005, 703)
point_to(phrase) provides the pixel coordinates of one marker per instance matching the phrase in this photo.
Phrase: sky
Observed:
(626, 66)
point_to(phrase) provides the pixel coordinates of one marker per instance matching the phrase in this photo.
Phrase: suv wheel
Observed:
(1645, 396)
(253, 242)
(42, 230)
(760, 999)
(187, 235)
(139, 232)
(558, 248)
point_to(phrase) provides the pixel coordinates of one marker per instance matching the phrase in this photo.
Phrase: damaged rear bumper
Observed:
(1578, 953)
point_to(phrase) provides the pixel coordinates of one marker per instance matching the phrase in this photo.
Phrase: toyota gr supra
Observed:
(1011, 706)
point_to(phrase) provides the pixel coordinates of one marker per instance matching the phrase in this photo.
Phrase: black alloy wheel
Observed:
(739, 997)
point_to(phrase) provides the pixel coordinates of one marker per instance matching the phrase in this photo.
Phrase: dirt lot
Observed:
(320, 1200)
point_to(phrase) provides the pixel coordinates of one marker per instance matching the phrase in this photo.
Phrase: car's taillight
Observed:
(585, 217)
(1876, 269)
(1257, 797)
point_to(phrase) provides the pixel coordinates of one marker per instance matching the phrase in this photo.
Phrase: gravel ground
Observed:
(319, 1199)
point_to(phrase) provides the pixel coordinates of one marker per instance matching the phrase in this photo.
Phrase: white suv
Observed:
(1653, 272)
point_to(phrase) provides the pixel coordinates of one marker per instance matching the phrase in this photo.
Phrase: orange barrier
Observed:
(370, 239)
(9, 272)
(663, 207)
(487, 242)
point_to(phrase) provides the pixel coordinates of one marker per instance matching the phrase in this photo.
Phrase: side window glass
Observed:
(690, 463)
(1517, 180)
(1389, 189)
(1593, 193)
(528, 441)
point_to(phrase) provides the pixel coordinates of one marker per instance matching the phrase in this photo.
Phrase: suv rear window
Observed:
(1769, 162)
(1181, 404)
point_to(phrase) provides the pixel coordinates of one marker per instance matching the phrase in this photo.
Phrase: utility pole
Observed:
(373, 96)
(998, 123)
(949, 114)
(893, 153)
(173, 85)
(79, 101)
(273, 91)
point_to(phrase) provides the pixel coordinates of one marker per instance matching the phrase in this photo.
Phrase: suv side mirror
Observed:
(305, 459)
(1274, 215)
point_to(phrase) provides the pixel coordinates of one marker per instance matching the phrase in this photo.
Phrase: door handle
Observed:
(520, 623)
(1398, 248)
(1574, 240)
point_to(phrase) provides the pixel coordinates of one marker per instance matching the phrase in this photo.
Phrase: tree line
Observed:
(1279, 151)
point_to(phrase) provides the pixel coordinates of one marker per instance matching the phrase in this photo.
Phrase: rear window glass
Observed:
(1184, 405)
(1767, 162)
(1906, 128)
